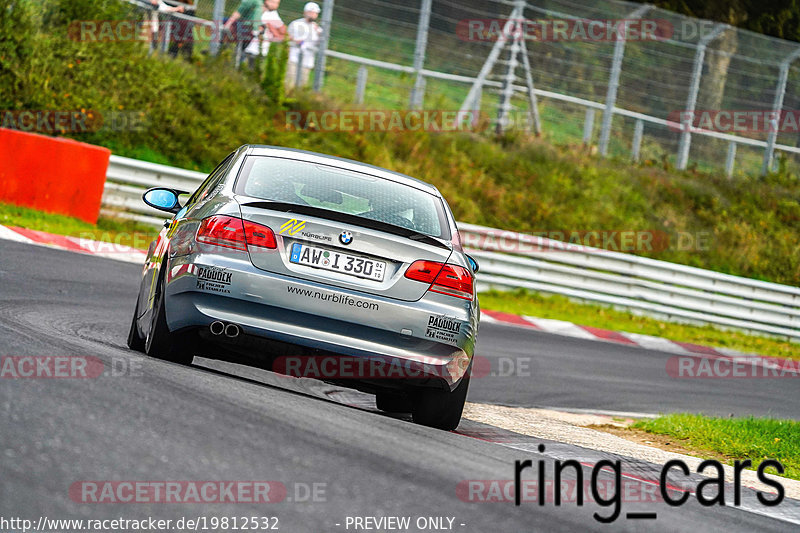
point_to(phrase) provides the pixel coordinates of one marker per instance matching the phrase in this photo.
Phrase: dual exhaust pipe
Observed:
(218, 328)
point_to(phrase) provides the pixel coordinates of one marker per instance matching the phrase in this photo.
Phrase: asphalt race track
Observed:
(214, 421)
(569, 373)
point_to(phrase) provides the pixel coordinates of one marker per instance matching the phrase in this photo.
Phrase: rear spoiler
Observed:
(354, 220)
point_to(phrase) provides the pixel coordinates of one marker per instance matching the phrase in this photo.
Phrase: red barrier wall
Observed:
(52, 174)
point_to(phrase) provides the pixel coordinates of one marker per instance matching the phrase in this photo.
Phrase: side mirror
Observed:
(473, 263)
(163, 199)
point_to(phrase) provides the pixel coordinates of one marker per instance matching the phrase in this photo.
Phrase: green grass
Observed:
(107, 229)
(562, 308)
(562, 124)
(519, 302)
(196, 112)
(756, 439)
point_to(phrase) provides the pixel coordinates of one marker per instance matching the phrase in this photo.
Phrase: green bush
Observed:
(275, 71)
(60, 13)
(16, 47)
(192, 114)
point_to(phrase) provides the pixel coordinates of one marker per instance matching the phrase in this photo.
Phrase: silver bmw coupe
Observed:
(315, 266)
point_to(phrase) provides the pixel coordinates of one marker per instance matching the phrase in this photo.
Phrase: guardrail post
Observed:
(237, 58)
(588, 126)
(691, 101)
(219, 14)
(361, 84)
(613, 80)
(167, 34)
(418, 91)
(319, 67)
(638, 130)
(777, 107)
(730, 159)
(152, 18)
(298, 75)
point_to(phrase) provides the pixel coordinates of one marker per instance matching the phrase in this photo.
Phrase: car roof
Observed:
(340, 162)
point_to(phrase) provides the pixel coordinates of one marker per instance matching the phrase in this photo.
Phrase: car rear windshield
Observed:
(303, 183)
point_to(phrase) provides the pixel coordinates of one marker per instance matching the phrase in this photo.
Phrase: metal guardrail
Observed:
(127, 179)
(609, 108)
(639, 284)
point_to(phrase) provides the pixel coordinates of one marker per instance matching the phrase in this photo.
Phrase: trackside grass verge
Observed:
(120, 231)
(561, 308)
(745, 226)
(731, 439)
(107, 229)
(125, 232)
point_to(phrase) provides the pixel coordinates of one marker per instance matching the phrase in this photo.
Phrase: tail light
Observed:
(451, 280)
(259, 236)
(235, 233)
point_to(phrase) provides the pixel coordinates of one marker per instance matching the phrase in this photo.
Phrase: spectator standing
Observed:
(182, 34)
(156, 28)
(248, 16)
(304, 35)
(270, 29)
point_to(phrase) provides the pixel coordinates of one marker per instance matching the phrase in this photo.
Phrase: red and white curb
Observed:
(568, 329)
(108, 250)
(559, 327)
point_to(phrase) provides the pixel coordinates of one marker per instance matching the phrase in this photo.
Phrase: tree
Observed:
(776, 18)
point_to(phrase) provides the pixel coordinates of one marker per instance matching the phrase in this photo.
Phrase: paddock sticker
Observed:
(443, 329)
(214, 279)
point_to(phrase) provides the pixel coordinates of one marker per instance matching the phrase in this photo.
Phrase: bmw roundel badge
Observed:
(345, 237)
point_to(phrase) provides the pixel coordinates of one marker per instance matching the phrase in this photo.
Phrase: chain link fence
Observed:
(675, 98)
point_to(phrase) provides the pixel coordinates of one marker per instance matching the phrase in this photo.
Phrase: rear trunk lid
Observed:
(341, 250)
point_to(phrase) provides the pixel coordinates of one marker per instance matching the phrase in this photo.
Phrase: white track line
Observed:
(560, 327)
(107, 250)
(11, 235)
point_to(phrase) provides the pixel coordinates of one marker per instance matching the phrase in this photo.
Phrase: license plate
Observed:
(303, 254)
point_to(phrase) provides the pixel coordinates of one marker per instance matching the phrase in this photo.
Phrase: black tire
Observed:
(440, 409)
(135, 341)
(160, 342)
(391, 402)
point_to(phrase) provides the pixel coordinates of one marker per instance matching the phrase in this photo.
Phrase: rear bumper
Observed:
(273, 307)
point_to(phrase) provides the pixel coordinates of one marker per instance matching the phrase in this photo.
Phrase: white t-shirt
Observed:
(266, 18)
(308, 35)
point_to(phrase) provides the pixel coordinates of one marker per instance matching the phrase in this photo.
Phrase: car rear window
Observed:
(343, 191)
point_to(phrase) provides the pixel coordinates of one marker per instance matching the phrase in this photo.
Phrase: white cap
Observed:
(312, 6)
